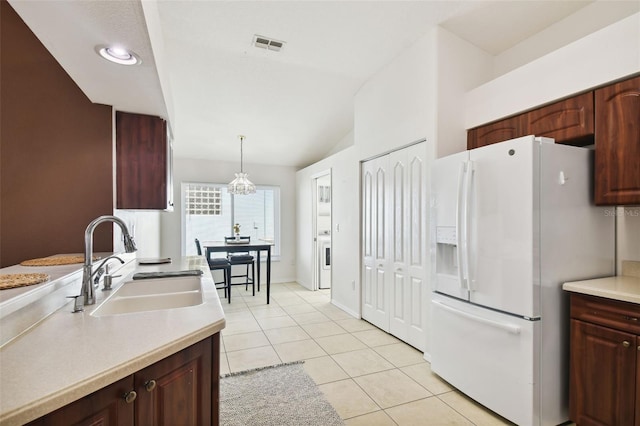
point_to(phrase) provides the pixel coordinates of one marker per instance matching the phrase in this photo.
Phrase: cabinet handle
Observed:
(626, 344)
(130, 396)
(150, 385)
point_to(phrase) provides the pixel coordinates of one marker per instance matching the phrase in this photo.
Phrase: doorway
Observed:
(322, 230)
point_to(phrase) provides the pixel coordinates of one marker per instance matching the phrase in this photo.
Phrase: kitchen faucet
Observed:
(87, 293)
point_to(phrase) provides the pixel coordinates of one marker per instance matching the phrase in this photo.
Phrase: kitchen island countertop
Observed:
(68, 355)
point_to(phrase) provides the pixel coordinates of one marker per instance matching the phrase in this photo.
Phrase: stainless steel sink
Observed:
(159, 286)
(152, 295)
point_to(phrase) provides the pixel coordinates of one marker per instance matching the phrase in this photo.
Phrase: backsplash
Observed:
(628, 235)
(631, 268)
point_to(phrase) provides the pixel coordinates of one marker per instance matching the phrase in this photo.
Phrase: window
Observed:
(203, 200)
(210, 212)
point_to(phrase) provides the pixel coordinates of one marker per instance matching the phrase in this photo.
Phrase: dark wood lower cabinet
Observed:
(104, 407)
(182, 389)
(176, 390)
(604, 383)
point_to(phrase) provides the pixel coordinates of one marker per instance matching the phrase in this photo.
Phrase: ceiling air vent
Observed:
(267, 43)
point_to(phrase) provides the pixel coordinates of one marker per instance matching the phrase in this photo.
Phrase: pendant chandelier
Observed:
(241, 185)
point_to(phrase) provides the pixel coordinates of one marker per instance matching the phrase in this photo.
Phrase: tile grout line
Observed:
(251, 307)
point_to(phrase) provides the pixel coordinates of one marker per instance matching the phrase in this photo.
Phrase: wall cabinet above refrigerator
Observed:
(569, 121)
(608, 116)
(143, 163)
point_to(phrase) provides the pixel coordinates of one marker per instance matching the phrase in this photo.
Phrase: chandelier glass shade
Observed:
(241, 185)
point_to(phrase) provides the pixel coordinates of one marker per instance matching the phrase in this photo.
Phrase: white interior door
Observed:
(408, 214)
(375, 233)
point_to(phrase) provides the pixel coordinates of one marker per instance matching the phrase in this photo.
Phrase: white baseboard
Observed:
(347, 310)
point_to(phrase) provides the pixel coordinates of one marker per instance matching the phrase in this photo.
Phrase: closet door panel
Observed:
(375, 239)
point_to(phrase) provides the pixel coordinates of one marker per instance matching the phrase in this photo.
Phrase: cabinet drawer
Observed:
(621, 316)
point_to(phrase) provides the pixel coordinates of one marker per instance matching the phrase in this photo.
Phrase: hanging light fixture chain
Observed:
(241, 155)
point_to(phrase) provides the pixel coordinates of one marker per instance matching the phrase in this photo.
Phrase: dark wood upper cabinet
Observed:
(569, 121)
(143, 162)
(498, 131)
(617, 162)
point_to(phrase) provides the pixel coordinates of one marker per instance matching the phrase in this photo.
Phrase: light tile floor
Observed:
(370, 377)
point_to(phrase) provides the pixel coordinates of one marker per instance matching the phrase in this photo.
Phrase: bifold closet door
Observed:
(394, 212)
(375, 237)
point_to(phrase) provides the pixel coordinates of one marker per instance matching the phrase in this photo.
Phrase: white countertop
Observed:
(623, 288)
(69, 355)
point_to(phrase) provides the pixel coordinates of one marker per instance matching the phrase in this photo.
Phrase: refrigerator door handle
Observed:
(467, 223)
(459, 217)
(511, 328)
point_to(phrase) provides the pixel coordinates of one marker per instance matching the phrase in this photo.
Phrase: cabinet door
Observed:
(602, 375)
(567, 121)
(502, 130)
(141, 162)
(617, 164)
(104, 407)
(176, 390)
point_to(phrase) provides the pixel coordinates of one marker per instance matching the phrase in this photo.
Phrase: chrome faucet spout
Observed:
(87, 293)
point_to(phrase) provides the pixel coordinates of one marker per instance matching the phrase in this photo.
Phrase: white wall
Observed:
(628, 238)
(192, 170)
(585, 21)
(345, 243)
(144, 226)
(606, 55)
(397, 106)
(461, 67)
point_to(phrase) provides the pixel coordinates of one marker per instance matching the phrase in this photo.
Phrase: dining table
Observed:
(234, 246)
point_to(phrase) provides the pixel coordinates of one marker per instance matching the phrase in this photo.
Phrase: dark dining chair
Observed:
(242, 258)
(216, 264)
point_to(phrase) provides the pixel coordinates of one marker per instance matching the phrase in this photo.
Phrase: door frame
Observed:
(315, 274)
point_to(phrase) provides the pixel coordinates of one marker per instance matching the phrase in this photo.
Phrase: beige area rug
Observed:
(279, 395)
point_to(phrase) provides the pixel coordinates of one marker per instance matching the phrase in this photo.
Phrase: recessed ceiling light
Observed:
(118, 54)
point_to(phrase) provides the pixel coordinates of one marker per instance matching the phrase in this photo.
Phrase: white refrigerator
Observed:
(511, 222)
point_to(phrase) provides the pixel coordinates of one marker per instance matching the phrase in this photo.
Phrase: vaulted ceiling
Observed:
(200, 70)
